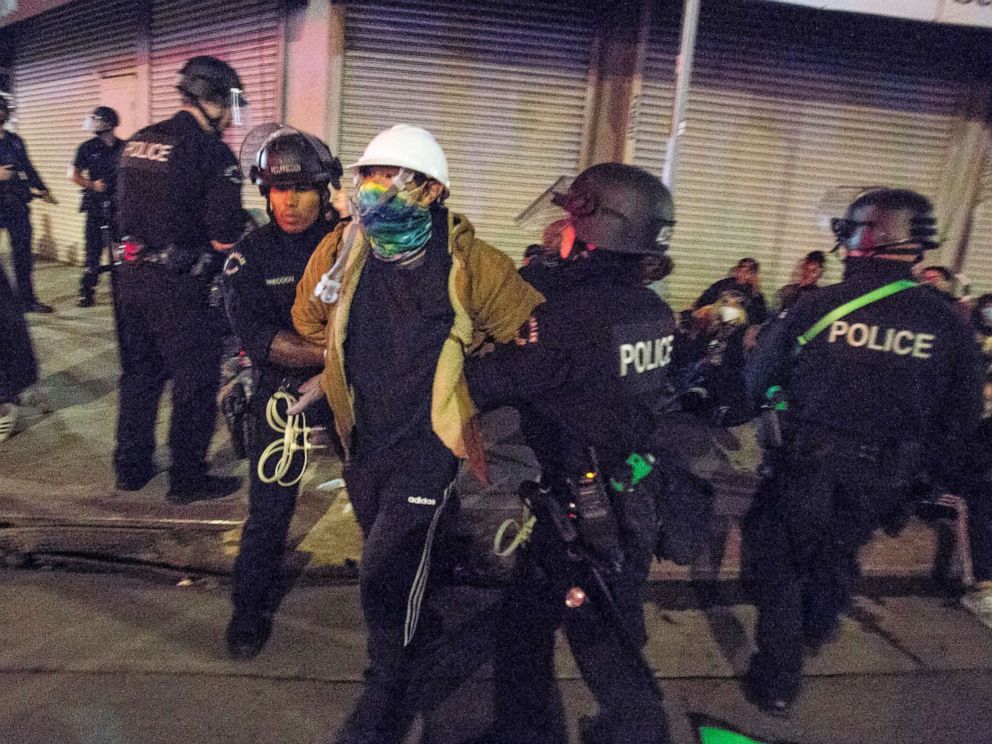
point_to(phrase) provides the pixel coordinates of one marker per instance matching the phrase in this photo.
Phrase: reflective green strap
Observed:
(849, 307)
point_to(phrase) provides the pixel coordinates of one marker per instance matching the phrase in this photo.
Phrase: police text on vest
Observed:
(888, 340)
(645, 355)
(148, 151)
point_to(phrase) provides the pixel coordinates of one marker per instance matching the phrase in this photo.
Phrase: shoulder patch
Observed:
(233, 174)
(235, 260)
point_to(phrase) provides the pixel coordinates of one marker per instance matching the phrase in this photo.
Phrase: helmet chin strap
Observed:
(214, 122)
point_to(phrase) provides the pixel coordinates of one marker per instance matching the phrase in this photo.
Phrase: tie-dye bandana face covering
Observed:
(396, 221)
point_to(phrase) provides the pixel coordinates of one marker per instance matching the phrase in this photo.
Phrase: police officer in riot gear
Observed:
(874, 371)
(179, 212)
(19, 184)
(293, 171)
(585, 373)
(94, 169)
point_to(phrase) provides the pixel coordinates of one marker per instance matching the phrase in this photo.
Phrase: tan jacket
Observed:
(487, 295)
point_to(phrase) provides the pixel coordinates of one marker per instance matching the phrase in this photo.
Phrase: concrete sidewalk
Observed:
(118, 660)
(57, 501)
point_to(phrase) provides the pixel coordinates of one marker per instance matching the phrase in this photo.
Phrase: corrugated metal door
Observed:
(248, 35)
(62, 57)
(502, 89)
(978, 259)
(786, 103)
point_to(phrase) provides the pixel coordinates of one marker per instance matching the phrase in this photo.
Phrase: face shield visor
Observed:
(831, 212)
(546, 208)
(6, 106)
(240, 111)
(96, 124)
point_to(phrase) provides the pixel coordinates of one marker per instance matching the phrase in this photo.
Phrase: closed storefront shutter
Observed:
(978, 259)
(503, 91)
(786, 103)
(61, 61)
(247, 35)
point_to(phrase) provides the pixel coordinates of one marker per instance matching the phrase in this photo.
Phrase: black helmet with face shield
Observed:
(291, 158)
(211, 80)
(620, 209)
(884, 221)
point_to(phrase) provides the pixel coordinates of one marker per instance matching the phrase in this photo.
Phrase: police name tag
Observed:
(643, 350)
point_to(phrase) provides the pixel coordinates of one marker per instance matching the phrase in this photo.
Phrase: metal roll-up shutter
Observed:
(502, 87)
(786, 103)
(60, 58)
(978, 258)
(247, 35)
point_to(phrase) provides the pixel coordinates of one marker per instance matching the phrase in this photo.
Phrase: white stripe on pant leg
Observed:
(423, 570)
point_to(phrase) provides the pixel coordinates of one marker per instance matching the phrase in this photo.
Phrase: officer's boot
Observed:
(87, 284)
(247, 633)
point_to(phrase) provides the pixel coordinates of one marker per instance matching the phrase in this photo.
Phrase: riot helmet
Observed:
(885, 221)
(103, 119)
(292, 158)
(280, 156)
(208, 79)
(620, 209)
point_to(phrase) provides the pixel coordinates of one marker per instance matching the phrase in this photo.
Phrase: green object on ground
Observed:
(714, 735)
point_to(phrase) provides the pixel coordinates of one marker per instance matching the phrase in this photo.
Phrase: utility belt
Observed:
(131, 251)
(900, 462)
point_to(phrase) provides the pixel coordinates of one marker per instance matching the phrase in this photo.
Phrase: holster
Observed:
(683, 505)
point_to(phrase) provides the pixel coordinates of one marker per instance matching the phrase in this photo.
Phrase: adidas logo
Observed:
(421, 501)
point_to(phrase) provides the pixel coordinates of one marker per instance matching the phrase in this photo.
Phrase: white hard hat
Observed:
(410, 147)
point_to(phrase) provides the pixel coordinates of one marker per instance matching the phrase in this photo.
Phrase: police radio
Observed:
(597, 523)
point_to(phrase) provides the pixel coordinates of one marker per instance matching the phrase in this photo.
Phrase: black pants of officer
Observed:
(979, 502)
(965, 469)
(18, 366)
(801, 542)
(165, 331)
(402, 497)
(255, 590)
(16, 218)
(528, 706)
(95, 252)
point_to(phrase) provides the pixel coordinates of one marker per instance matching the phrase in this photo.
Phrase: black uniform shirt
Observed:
(399, 319)
(585, 371)
(901, 368)
(260, 278)
(14, 154)
(100, 161)
(179, 185)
